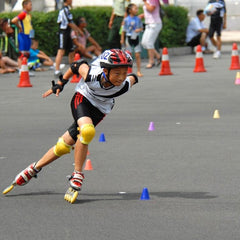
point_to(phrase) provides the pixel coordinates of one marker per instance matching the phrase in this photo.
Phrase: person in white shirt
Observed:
(197, 32)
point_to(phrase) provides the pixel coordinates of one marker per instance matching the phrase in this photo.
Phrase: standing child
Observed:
(24, 24)
(65, 21)
(93, 99)
(130, 34)
(218, 22)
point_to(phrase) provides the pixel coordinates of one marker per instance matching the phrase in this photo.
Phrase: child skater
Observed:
(130, 34)
(93, 99)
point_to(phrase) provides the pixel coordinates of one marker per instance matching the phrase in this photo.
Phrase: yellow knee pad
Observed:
(87, 133)
(61, 148)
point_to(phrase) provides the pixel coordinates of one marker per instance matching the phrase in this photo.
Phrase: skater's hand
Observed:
(56, 88)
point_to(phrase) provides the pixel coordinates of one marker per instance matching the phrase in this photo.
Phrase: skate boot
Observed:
(75, 182)
(23, 177)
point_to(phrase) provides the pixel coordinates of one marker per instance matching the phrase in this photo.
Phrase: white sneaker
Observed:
(217, 55)
(57, 73)
(62, 66)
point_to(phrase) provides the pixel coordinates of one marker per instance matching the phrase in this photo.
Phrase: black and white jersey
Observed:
(100, 97)
(64, 17)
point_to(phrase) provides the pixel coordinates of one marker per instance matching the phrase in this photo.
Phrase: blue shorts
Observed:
(24, 42)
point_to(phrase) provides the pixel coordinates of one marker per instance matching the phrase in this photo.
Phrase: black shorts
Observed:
(215, 26)
(195, 41)
(65, 41)
(81, 107)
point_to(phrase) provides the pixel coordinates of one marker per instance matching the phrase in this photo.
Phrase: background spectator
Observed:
(197, 32)
(7, 65)
(65, 21)
(130, 34)
(115, 22)
(80, 41)
(217, 22)
(153, 26)
(11, 41)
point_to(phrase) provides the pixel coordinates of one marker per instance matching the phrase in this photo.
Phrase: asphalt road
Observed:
(189, 163)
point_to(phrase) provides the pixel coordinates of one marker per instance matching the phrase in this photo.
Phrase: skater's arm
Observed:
(133, 78)
(79, 67)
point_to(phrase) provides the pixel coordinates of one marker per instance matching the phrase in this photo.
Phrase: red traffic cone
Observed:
(88, 165)
(76, 77)
(129, 68)
(24, 80)
(235, 58)
(165, 68)
(199, 64)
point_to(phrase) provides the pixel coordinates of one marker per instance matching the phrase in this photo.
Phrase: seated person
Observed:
(38, 58)
(12, 49)
(80, 41)
(197, 32)
(7, 65)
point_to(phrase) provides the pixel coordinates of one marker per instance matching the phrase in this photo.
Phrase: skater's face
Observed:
(118, 75)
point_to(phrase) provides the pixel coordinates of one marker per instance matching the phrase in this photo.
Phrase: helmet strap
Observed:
(107, 77)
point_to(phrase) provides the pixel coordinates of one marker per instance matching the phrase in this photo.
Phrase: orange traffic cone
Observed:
(199, 64)
(235, 58)
(88, 165)
(165, 68)
(76, 77)
(24, 75)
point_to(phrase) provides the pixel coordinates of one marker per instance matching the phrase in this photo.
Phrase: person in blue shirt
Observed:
(130, 34)
(37, 57)
(197, 33)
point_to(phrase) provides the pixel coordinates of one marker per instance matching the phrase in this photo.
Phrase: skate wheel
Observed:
(8, 189)
(71, 195)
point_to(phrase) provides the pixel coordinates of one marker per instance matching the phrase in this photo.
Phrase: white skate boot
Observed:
(23, 177)
(75, 182)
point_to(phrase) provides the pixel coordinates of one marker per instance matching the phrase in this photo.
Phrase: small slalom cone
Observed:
(76, 77)
(88, 166)
(199, 64)
(145, 194)
(151, 126)
(235, 58)
(237, 81)
(165, 66)
(129, 68)
(88, 153)
(102, 138)
(24, 80)
(216, 114)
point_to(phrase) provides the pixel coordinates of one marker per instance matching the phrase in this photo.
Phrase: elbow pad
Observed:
(135, 76)
(75, 65)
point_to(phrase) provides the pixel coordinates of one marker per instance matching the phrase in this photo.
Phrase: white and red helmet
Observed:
(113, 58)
